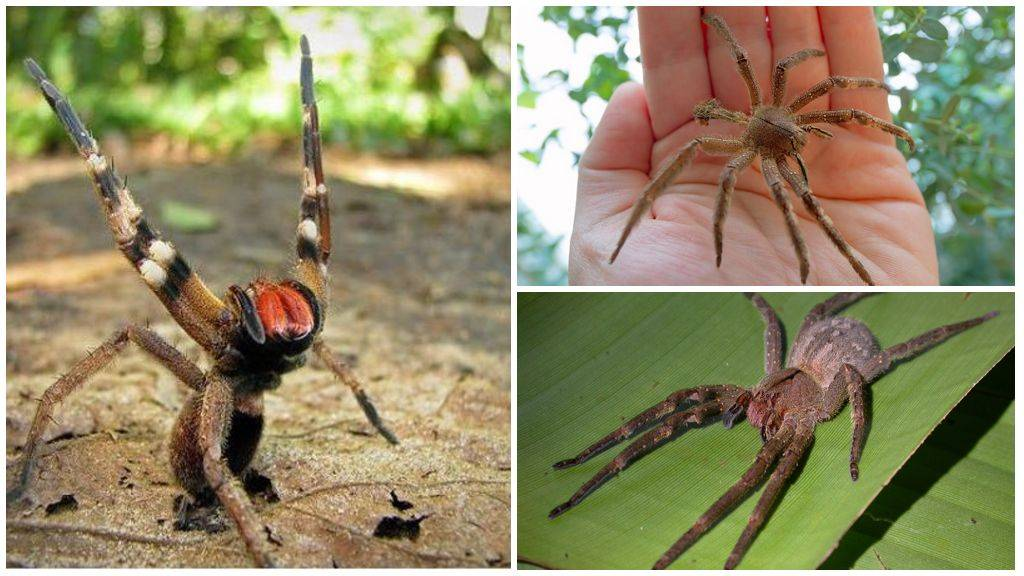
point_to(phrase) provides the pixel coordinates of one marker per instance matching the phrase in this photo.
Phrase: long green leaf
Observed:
(951, 505)
(588, 361)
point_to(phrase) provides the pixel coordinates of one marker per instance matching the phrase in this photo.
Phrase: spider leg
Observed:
(346, 375)
(645, 444)
(818, 131)
(214, 425)
(783, 66)
(831, 83)
(787, 465)
(855, 385)
(848, 115)
(87, 367)
(664, 177)
(884, 359)
(712, 109)
(768, 454)
(814, 207)
(726, 185)
(771, 175)
(652, 415)
(739, 54)
(162, 267)
(772, 333)
(313, 239)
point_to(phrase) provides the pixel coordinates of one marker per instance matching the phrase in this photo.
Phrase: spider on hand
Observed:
(774, 132)
(833, 359)
(253, 335)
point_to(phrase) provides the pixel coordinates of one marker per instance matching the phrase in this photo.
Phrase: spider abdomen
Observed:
(823, 347)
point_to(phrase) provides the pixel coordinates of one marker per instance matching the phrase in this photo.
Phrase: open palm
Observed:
(859, 176)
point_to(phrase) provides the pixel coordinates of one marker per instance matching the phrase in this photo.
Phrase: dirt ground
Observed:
(420, 305)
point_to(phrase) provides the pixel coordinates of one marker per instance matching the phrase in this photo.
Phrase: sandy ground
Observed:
(420, 305)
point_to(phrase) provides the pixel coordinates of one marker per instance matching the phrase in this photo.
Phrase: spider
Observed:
(253, 335)
(833, 359)
(774, 132)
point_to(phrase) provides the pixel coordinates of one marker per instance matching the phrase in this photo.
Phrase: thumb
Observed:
(623, 138)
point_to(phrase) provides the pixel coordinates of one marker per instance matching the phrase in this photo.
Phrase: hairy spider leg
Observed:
(739, 54)
(726, 185)
(709, 145)
(832, 306)
(788, 462)
(313, 238)
(159, 263)
(773, 348)
(673, 425)
(652, 415)
(885, 359)
(218, 402)
(863, 118)
(769, 452)
(803, 190)
(345, 373)
(86, 368)
(781, 68)
(770, 169)
(831, 83)
(855, 387)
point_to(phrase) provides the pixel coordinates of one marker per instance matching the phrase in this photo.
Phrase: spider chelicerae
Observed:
(254, 334)
(774, 132)
(833, 359)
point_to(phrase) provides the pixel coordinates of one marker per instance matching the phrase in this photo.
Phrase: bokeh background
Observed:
(953, 73)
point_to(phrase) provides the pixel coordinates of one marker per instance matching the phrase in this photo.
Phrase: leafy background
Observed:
(407, 82)
(954, 67)
(588, 361)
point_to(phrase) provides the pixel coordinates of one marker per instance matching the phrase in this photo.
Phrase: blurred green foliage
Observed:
(961, 113)
(538, 263)
(220, 78)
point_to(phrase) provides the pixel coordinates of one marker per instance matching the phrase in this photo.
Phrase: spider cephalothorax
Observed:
(773, 132)
(254, 335)
(833, 359)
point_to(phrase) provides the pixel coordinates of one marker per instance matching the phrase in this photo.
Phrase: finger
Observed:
(623, 138)
(675, 67)
(854, 49)
(750, 27)
(794, 28)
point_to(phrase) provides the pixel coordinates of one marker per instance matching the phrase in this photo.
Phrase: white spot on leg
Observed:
(152, 273)
(162, 252)
(321, 189)
(308, 230)
(97, 163)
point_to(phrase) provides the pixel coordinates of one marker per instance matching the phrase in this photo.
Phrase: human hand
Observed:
(859, 176)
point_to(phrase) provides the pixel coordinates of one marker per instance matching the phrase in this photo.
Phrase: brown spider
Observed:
(774, 132)
(834, 358)
(254, 335)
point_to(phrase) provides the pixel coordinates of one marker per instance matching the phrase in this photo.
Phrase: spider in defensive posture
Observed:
(833, 359)
(774, 132)
(253, 335)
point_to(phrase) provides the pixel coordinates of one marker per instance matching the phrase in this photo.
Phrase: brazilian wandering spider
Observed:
(833, 359)
(774, 132)
(254, 334)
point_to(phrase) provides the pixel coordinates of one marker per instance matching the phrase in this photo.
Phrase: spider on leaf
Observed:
(774, 132)
(833, 359)
(253, 335)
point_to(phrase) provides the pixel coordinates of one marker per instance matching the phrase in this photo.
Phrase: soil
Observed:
(420, 305)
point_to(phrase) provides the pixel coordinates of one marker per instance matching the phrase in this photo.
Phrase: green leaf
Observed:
(925, 50)
(527, 99)
(961, 478)
(588, 361)
(950, 108)
(531, 155)
(186, 217)
(934, 29)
